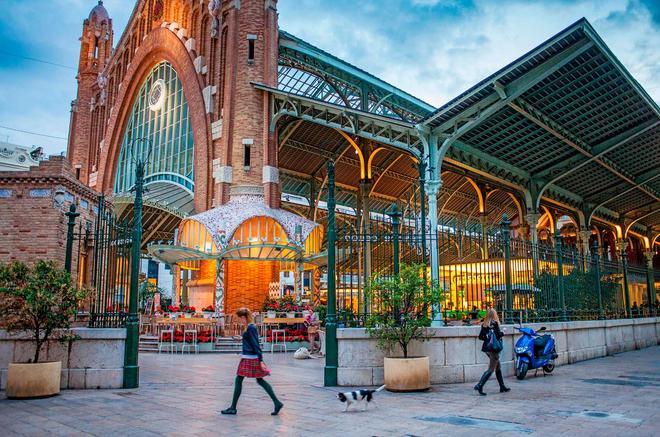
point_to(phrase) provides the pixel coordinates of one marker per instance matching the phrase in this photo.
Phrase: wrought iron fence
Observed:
(101, 253)
(524, 281)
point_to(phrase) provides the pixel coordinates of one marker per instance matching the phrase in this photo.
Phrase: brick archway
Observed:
(160, 45)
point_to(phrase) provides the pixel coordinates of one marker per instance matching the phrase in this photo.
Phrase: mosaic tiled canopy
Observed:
(224, 220)
(222, 224)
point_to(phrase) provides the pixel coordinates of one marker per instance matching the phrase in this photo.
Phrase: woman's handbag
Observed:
(493, 344)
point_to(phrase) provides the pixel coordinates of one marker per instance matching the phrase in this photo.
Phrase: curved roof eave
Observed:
(292, 42)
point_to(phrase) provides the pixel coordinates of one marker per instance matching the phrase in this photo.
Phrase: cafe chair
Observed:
(162, 342)
(190, 331)
(278, 340)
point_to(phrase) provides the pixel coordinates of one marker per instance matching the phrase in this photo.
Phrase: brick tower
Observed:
(246, 149)
(95, 51)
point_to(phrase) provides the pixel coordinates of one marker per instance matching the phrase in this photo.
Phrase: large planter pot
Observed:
(407, 374)
(28, 380)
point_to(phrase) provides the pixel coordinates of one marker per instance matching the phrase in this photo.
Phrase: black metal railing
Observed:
(481, 268)
(101, 254)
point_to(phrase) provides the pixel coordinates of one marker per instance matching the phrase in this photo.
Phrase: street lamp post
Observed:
(72, 214)
(131, 368)
(331, 359)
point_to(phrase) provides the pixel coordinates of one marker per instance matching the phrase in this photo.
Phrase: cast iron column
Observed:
(560, 274)
(422, 208)
(506, 227)
(131, 369)
(626, 289)
(650, 283)
(596, 260)
(72, 214)
(330, 371)
(395, 215)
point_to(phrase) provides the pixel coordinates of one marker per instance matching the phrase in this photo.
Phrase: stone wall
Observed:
(94, 361)
(455, 352)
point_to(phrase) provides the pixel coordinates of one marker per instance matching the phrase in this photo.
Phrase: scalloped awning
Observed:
(244, 228)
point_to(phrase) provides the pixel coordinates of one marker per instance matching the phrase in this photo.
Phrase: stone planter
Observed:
(407, 374)
(291, 315)
(28, 380)
(271, 314)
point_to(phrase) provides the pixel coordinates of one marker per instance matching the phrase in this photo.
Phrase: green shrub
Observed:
(40, 300)
(404, 302)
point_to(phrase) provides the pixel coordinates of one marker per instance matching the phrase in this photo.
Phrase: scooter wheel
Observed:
(548, 368)
(521, 371)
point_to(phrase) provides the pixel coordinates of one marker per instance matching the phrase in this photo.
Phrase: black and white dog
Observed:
(365, 396)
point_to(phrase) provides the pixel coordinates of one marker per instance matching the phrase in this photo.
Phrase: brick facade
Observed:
(32, 206)
(208, 44)
(217, 48)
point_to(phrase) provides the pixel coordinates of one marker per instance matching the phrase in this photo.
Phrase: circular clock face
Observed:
(157, 95)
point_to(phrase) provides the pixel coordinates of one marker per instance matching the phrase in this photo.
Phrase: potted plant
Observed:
(271, 306)
(404, 302)
(40, 300)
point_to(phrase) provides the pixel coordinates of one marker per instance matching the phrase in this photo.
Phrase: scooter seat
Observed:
(540, 342)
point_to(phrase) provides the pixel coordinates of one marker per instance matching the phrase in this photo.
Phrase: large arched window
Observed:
(160, 113)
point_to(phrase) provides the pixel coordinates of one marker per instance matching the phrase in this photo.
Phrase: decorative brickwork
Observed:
(246, 283)
(32, 221)
(209, 46)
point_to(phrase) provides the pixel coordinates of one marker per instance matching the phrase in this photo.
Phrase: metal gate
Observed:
(101, 254)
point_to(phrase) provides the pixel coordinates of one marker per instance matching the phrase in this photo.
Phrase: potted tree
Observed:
(40, 300)
(404, 302)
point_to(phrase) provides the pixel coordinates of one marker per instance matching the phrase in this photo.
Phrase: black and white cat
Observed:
(359, 396)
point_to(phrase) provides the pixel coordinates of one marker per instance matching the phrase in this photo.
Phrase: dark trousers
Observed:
(494, 362)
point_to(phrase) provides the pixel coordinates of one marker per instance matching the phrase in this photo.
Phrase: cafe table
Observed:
(284, 320)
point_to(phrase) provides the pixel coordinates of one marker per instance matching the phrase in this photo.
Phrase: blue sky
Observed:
(433, 49)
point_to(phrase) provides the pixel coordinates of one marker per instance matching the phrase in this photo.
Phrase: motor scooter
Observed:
(534, 351)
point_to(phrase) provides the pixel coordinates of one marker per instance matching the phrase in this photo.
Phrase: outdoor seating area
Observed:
(209, 332)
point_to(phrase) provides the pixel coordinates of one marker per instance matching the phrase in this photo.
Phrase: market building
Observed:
(242, 117)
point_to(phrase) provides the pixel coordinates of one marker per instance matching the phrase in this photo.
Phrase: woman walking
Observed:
(491, 335)
(251, 365)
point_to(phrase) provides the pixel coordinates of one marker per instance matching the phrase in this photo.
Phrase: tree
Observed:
(40, 299)
(147, 291)
(402, 303)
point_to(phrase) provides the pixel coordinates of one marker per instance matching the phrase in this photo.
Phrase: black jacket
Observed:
(251, 342)
(483, 334)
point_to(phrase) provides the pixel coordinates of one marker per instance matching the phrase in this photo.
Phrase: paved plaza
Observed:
(180, 395)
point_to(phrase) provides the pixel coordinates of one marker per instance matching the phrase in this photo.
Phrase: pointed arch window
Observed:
(160, 112)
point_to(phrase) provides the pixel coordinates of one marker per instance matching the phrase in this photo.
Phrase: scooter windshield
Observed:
(528, 331)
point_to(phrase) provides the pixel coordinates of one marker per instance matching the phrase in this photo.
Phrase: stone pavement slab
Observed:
(182, 394)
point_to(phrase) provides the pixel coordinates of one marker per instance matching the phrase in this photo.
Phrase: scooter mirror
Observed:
(542, 328)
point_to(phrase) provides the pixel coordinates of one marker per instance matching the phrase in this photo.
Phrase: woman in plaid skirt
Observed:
(251, 365)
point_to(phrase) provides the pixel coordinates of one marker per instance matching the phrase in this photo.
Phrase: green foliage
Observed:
(579, 290)
(322, 312)
(347, 317)
(404, 303)
(147, 291)
(40, 299)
